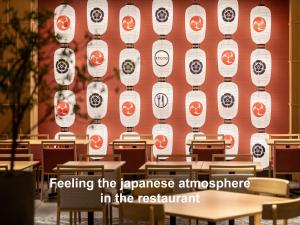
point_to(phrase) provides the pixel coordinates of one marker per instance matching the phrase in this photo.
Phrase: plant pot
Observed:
(17, 198)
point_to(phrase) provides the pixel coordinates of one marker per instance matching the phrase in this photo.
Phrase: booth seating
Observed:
(206, 149)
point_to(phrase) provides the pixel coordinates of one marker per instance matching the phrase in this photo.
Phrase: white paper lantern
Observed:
(260, 149)
(162, 16)
(228, 16)
(64, 23)
(98, 138)
(163, 136)
(97, 58)
(96, 100)
(228, 57)
(195, 66)
(130, 23)
(195, 108)
(130, 66)
(162, 100)
(162, 58)
(97, 16)
(228, 100)
(64, 102)
(188, 137)
(64, 66)
(65, 135)
(260, 107)
(195, 24)
(260, 24)
(261, 66)
(231, 135)
(130, 108)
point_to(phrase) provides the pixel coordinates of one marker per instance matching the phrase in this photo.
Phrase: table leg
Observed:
(172, 220)
(211, 223)
(255, 220)
(231, 222)
(90, 218)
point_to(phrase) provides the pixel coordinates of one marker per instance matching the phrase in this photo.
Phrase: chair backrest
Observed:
(208, 136)
(57, 152)
(3, 167)
(284, 136)
(18, 157)
(206, 149)
(34, 136)
(237, 157)
(286, 156)
(231, 173)
(171, 172)
(281, 211)
(23, 147)
(132, 152)
(272, 186)
(84, 197)
(137, 212)
(3, 136)
(177, 157)
(135, 136)
(106, 157)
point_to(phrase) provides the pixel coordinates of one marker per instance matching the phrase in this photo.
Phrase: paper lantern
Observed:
(189, 136)
(261, 65)
(228, 100)
(65, 135)
(228, 57)
(260, 149)
(97, 16)
(195, 66)
(96, 100)
(231, 135)
(162, 58)
(260, 24)
(228, 16)
(162, 100)
(130, 23)
(195, 24)
(260, 108)
(162, 16)
(195, 108)
(129, 107)
(64, 102)
(130, 66)
(64, 66)
(97, 58)
(64, 23)
(98, 138)
(163, 136)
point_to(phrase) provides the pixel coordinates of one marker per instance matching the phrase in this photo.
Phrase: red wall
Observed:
(278, 87)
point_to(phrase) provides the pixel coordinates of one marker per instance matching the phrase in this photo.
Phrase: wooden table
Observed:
(217, 206)
(20, 165)
(39, 141)
(196, 165)
(206, 164)
(189, 142)
(272, 141)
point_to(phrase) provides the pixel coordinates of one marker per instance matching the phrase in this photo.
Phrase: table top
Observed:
(206, 164)
(20, 165)
(39, 141)
(108, 165)
(220, 205)
(148, 141)
(196, 165)
(189, 141)
(271, 141)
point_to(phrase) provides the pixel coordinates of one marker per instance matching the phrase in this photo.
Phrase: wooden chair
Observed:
(34, 136)
(281, 211)
(18, 157)
(135, 136)
(80, 199)
(231, 173)
(286, 156)
(284, 136)
(208, 136)
(53, 153)
(207, 148)
(23, 147)
(3, 136)
(134, 153)
(237, 157)
(137, 212)
(177, 157)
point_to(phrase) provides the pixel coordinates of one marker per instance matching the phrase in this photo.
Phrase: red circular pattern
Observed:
(196, 108)
(128, 23)
(259, 109)
(161, 141)
(259, 24)
(229, 138)
(63, 23)
(228, 57)
(196, 23)
(96, 58)
(96, 141)
(62, 108)
(128, 108)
